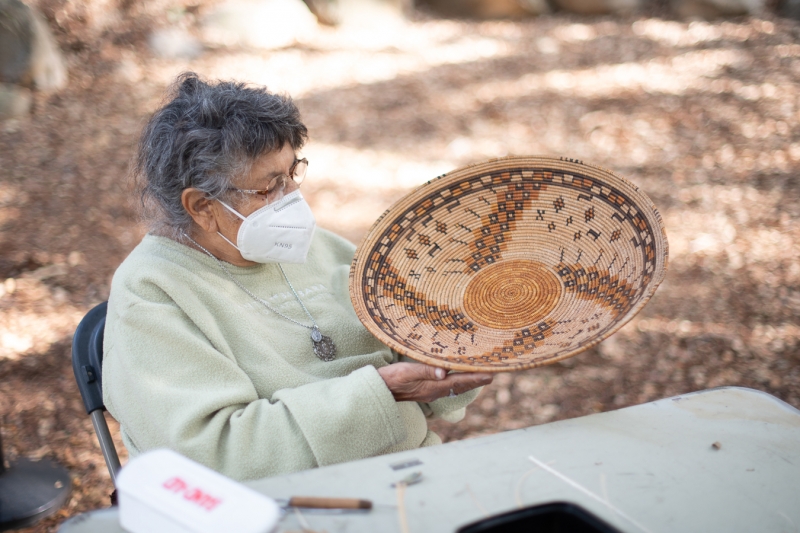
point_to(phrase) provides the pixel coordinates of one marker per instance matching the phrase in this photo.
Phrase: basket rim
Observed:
(399, 207)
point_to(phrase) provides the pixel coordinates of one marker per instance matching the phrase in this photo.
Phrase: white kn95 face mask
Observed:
(280, 232)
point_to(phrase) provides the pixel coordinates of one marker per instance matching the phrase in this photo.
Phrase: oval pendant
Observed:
(316, 334)
(325, 349)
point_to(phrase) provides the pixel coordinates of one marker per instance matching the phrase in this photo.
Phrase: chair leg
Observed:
(106, 443)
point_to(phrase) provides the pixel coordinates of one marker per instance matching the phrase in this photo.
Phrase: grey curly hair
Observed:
(204, 137)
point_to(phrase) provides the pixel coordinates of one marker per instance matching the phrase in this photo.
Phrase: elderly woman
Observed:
(230, 335)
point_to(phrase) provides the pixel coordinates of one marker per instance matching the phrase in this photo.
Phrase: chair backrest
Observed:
(87, 364)
(87, 357)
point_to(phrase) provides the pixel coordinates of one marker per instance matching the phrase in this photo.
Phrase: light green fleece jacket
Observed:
(192, 363)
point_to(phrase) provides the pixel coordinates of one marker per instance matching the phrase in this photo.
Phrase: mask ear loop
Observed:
(235, 212)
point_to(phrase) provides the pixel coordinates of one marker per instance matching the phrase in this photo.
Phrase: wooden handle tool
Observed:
(329, 503)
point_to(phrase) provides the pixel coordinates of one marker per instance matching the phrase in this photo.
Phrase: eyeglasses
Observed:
(276, 185)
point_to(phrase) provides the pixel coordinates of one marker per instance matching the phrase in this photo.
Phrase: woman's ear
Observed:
(202, 209)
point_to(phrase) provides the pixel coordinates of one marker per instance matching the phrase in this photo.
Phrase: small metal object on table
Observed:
(650, 468)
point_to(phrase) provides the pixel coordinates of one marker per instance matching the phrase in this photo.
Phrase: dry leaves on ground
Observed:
(702, 116)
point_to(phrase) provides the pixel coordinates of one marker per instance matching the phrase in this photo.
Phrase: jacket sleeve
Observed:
(170, 388)
(451, 409)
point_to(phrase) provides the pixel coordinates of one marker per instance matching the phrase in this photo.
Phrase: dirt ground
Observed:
(703, 116)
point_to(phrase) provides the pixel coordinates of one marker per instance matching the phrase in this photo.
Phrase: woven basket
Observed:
(509, 264)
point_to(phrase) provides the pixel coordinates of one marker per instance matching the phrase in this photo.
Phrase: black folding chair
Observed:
(87, 363)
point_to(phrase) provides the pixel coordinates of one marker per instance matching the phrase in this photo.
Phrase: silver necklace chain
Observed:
(323, 345)
(297, 297)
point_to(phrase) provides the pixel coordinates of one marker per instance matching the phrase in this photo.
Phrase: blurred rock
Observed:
(46, 272)
(174, 43)
(359, 12)
(711, 9)
(29, 55)
(14, 101)
(599, 7)
(325, 10)
(487, 9)
(264, 24)
(369, 13)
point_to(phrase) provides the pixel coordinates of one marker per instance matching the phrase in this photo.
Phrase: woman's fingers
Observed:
(409, 381)
(424, 383)
(416, 371)
(461, 383)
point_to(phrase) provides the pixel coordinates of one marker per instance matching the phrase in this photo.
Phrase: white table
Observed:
(724, 460)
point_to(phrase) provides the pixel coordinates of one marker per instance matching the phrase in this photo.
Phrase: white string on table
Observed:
(574, 484)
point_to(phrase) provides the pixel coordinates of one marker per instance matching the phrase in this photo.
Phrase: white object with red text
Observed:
(164, 491)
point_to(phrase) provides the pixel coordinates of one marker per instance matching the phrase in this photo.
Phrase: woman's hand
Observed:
(415, 382)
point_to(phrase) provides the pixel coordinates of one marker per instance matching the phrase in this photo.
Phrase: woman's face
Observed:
(263, 172)
(212, 218)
